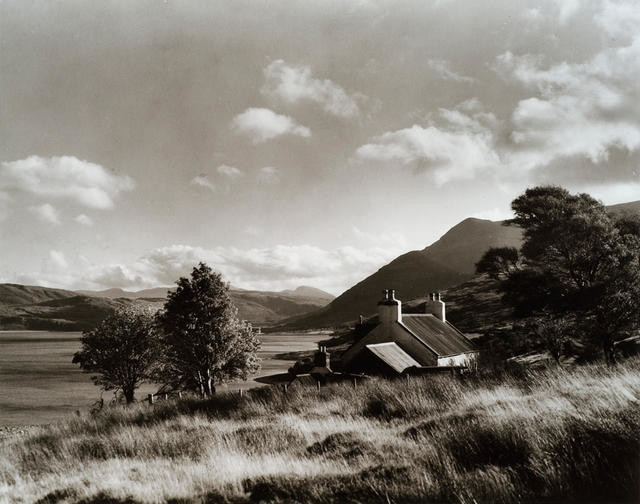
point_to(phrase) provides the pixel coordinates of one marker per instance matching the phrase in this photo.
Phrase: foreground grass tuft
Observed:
(554, 435)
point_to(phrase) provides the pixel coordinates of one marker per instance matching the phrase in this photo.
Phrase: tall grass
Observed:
(554, 435)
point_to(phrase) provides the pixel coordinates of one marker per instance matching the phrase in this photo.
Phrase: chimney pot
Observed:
(436, 306)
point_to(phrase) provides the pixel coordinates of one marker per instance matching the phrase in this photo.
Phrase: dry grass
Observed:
(549, 436)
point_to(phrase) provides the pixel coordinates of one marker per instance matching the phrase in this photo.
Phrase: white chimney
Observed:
(389, 308)
(435, 306)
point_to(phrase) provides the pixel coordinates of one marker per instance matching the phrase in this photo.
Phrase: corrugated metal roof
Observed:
(441, 337)
(392, 355)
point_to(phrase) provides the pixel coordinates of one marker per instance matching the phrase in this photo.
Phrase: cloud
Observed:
(65, 177)
(457, 149)
(443, 69)
(203, 181)
(269, 175)
(619, 19)
(293, 84)
(578, 109)
(4, 205)
(229, 171)
(57, 260)
(269, 268)
(84, 220)
(567, 9)
(46, 213)
(494, 214)
(263, 124)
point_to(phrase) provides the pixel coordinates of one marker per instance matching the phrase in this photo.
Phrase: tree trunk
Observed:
(211, 389)
(128, 394)
(201, 384)
(609, 351)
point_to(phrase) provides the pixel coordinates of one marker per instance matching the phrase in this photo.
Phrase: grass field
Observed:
(547, 436)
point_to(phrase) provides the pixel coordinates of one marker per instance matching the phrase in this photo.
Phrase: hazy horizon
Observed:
(296, 143)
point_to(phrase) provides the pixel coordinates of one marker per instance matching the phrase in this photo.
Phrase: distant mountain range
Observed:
(448, 262)
(33, 307)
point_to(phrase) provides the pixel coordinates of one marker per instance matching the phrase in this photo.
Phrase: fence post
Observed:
(241, 392)
(150, 398)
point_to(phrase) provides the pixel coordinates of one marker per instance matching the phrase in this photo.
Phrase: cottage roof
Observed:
(441, 337)
(392, 355)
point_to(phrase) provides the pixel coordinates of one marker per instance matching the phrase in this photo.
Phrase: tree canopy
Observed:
(204, 343)
(121, 350)
(575, 259)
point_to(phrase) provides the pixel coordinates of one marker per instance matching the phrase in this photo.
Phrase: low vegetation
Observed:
(552, 435)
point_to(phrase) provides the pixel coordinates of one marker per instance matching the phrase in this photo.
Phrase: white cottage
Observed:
(402, 343)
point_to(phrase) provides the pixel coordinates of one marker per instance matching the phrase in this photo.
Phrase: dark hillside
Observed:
(461, 247)
(631, 208)
(15, 294)
(447, 262)
(410, 274)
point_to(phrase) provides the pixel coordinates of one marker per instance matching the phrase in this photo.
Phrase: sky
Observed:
(296, 143)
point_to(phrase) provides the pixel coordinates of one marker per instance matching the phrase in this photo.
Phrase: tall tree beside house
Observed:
(575, 260)
(121, 350)
(204, 343)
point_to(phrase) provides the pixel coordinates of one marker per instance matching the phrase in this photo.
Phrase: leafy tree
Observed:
(575, 260)
(498, 262)
(553, 332)
(204, 342)
(121, 350)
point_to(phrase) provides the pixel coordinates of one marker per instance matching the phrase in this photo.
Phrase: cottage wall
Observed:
(466, 359)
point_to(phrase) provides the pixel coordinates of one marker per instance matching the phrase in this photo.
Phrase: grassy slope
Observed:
(556, 435)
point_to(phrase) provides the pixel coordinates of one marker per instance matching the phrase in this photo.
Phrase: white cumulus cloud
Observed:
(84, 220)
(65, 177)
(269, 268)
(263, 124)
(57, 260)
(230, 171)
(577, 109)
(203, 181)
(46, 213)
(269, 175)
(294, 83)
(458, 148)
(443, 69)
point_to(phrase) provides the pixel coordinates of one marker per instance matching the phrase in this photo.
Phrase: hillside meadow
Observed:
(554, 435)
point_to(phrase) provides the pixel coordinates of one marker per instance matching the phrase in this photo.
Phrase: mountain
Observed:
(42, 308)
(443, 264)
(33, 307)
(631, 208)
(305, 291)
(15, 294)
(447, 262)
(157, 292)
(462, 246)
(258, 307)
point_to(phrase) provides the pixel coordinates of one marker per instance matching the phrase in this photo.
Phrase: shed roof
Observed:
(392, 355)
(441, 337)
